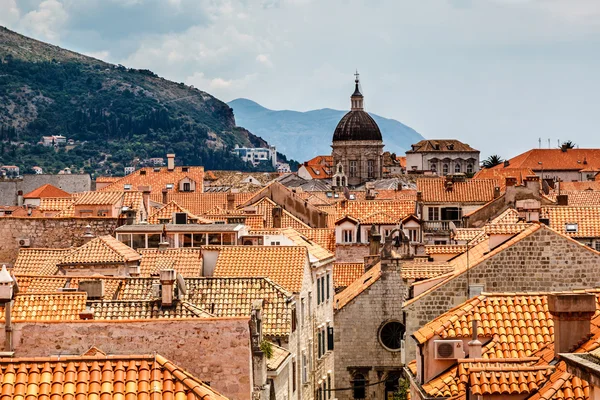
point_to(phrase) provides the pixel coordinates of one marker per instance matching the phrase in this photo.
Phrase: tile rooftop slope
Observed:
(234, 179)
(577, 186)
(52, 284)
(562, 385)
(103, 249)
(265, 207)
(200, 203)
(555, 160)
(99, 198)
(363, 210)
(227, 297)
(379, 218)
(100, 377)
(429, 145)
(283, 264)
(346, 273)
(47, 306)
(314, 249)
(56, 203)
(509, 216)
(434, 190)
(157, 180)
(185, 260)
(46, 190)
(423, 271)
(144, 309)
(445, 248)
(324, 237)
(505, 228)
(32, 261)
(133, 200)
(107, 179)
(358, 286)
(318, 171)
(579, 198)
(279, 356)
(587, 219)
(467, 234)
(500, 175)
(166, 212)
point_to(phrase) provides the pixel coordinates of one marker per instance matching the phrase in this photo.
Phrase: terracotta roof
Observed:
(278, 358)
(556, 160)
(52, 284)
(578, 198)
(227, 297)
(107, 179)
(467, 234)
(562, 385)
(38, 261)
(422, 271)
(99, 198)
(56, 203)
(434, 190)
(47, 306)
(185, 260)
(285, 265)
(376, 211)
(587, 220)
(509, 216)
(157, 179)
(166, 213)
(358, 286)
(235, 180)
(445, 248)
(500, 175)
(133, 200)
(440, 145)
(324, 237)
(265, 207)
(200, 203)
(103, 249)
(505, 229)
(144, 309)
(314, 250)
(577, 186)
(346, 273)
(46, 190)
(95, 377)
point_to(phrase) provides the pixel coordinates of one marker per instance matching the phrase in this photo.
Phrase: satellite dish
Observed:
(181, 284)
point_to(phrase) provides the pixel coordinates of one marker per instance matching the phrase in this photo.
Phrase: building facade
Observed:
(442, 157)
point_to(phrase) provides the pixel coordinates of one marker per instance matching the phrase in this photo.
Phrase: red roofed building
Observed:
(34, 197)
(316, 168)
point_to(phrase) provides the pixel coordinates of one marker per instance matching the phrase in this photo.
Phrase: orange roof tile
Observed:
(509, 216)
(346, 273)
(445, 248)
(324, 237)
(46, 190)
(185, 260)
(357, 287)
(470, 191)
(505, 229)
(103, 249)
(467, 234)
(314, 250)
(56, 203)
(48, 306)
(200, 203)
(38, 261)
(285, 265)
(278, 358)
(144, 309)
(265, 207)
(440, 145)
(500, 175)
(422, 271)
(166, 213)
(376, 211)
(107, 179)
(158, 178)
(577, 186)
(587, 220)
(579, 197)
(101, 376)
(556, 160)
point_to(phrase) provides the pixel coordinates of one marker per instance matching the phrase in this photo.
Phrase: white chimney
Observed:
(170, 162)
(167, 281)
(475, 345)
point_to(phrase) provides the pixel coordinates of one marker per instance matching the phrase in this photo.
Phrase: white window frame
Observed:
(347, 235)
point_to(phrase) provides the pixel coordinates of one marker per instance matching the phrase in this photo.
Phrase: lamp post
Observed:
(7, 284)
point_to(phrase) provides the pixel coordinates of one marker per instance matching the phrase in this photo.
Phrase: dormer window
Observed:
(170, 186)
(127, 187)
(184, 169)
(571, 227)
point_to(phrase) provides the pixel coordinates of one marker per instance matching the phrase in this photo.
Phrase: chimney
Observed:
(230, 201)
(277, 213)
(374, 241)
(475, 345)
(170, 162)
(86, 314)
(419, 196)
(146, 190)
(20, 198)
(167, 282)
(506, 163)
(572, 315)
(449, 185)
(562, 199)
(164, 196)
(496, 192)
(511, 181)
(88, 235)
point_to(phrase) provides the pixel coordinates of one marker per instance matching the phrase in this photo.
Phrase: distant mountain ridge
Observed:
(303, 135)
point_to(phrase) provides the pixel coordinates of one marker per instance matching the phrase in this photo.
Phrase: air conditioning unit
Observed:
(448, 349)
(24, 242)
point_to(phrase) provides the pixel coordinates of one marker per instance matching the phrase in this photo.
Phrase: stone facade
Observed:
(351, 253)
(541, 262)
(358, 349)
(48, 232)
(199, 346)
(71, 183)
(355, 156)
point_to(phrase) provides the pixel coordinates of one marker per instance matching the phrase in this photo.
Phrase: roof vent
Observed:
(127, 186)
(143, 172)
(571, 227)
(93, 288)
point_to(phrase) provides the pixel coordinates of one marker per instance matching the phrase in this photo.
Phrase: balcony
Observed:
(439, 226)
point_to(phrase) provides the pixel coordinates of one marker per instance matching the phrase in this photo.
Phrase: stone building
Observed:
(442, 157)
(357, 146)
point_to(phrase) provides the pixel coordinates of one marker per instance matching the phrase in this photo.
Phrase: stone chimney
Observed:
(475, 345)
(277, 213)
(374, 241)
(496, 192)
(20, 198)
(572, 315)
(164, 196)
(230, 201)
(562, 199)
(167, 282)
(511, 181)
(170, 162)
(419, 196)
(146, 190)
(88, 235)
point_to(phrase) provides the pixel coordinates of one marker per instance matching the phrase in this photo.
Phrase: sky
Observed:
(496, 74)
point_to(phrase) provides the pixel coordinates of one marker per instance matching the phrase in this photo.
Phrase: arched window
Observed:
(358, 386)
(445, 169)
(433, 168)
(469, 168)
(343, 181)
(391, 335)
(457, 168)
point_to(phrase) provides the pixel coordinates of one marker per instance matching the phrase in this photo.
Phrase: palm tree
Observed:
(568, 144)
(492, 161)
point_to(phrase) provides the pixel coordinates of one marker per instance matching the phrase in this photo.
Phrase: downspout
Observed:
(8, 339)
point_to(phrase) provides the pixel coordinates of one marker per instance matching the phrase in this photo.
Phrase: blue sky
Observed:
(497, 74)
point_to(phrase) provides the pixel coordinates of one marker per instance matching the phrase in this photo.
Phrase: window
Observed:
(391, 335)
(139, 241)
(330, 338)
(469, 168)
(337, 181)
(228, 239)
(302, 311)
(186, 187)
(294, 317)
(318, 291)
(214, 238)
(347, 236)
(304, 368)
(275, 243)
(170, 185)
(328, 387)
(353, 168)
(433, 167)
(294, 375)
(433, 213)
(412, 235)
(185, 240)
(597, 245)
(322, 289)
(124, 238)
(358, 386)
(445, 169)
(328, 284)
(320, 351)
(309, 303)
(371, 168)
(571, 227)
(457, 168)
(199, 239)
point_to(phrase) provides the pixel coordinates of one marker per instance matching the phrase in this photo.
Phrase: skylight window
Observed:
(170, 186)
(571, 227)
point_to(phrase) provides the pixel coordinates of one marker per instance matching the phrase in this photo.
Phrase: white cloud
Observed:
(221, 87)
(10, 13)
(103, 55)
(47, 21)
(264, 60)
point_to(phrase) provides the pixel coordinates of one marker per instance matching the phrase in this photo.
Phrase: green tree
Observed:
(568, 144)
(492, 161)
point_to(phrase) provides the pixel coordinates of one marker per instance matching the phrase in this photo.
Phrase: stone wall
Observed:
(542, 262)
(199, 346)
(71, 183)
(48, 232)
(352, 253)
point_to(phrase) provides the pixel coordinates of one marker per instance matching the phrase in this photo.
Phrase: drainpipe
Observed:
(8, 340)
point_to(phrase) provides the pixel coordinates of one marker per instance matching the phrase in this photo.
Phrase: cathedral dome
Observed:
(357, 125)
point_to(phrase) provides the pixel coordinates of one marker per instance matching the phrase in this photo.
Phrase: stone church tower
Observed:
(357, 145)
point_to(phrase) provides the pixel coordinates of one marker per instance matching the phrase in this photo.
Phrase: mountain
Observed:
(113, 114)
(303, 135)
